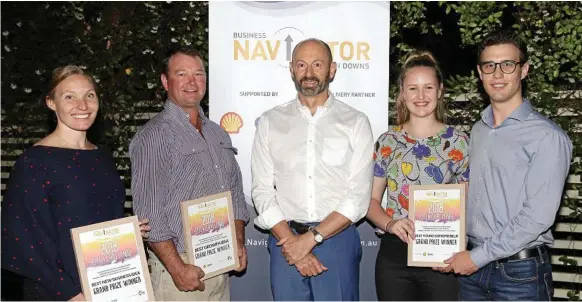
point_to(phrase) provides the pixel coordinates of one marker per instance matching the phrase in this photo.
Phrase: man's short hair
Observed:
(325, 46)
(503, 37)
(191, 52)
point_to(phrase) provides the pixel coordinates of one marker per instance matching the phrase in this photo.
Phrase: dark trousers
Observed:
(395, 281)
(18, 288)
(11, 286)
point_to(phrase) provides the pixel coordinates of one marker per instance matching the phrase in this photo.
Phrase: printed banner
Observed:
(250, 46)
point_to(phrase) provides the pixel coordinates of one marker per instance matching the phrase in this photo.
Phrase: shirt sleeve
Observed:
(263, 180)
(356, 204)
(462, 164)
(544, 185)
(29, 243)
(149, 180)
(238, 198)
(381, 161)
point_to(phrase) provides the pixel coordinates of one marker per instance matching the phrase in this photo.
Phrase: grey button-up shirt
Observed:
(171, 162)
(518, 171)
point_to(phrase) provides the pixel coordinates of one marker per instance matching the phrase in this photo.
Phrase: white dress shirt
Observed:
(304, 167)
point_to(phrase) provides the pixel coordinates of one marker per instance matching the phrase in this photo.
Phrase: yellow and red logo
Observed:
(231, 122)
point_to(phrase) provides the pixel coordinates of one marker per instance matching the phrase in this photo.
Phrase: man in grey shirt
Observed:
(519, 164)
(181, 155)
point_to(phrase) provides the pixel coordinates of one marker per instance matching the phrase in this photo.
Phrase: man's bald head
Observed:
(311, 42)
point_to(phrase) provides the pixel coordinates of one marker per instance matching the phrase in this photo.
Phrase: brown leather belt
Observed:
(536, 251)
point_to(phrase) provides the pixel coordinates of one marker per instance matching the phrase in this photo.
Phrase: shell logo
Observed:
(231, 122)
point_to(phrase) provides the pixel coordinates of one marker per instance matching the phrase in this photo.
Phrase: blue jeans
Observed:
(341, 254)
(525, 280)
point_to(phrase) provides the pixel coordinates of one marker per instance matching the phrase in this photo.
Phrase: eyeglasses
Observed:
(507, 66)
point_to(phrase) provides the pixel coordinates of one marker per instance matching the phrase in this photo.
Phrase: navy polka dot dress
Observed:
(50, 191)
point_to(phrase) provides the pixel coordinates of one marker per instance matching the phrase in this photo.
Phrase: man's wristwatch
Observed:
(317, 235)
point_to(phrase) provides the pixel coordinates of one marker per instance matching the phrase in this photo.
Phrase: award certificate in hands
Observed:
(210, 234)
(111, 261)
(438, 213)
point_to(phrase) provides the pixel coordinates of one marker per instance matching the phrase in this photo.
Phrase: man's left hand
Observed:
(242, 257)
(461, 264)
(296, 247)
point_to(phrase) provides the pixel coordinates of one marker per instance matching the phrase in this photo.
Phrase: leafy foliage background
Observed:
(552, 32)
(122, 44)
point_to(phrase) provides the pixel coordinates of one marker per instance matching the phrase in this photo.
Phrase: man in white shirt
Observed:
(312, 177)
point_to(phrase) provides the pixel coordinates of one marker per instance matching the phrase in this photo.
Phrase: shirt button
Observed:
(309, 176)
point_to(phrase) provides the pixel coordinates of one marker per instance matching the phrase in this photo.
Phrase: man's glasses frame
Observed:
(507, 66)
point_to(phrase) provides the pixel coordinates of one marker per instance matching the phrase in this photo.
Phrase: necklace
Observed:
(71, 145)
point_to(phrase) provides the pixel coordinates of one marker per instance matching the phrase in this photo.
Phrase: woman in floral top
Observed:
(422, 150)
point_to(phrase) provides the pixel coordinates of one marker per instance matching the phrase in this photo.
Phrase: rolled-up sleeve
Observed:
(356, 204)
(543, 188)
(263, 180)
(150, 173)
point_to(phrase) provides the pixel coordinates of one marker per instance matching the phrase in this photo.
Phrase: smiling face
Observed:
(421, 91)
(185, 81)
(502, 87)
(75, 103)
(311, 69)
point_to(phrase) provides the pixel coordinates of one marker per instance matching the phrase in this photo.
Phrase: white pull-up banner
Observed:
(249, 54)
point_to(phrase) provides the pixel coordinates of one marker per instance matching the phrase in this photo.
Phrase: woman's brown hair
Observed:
(418, 59)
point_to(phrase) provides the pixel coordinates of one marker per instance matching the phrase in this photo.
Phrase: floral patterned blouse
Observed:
(403, 160)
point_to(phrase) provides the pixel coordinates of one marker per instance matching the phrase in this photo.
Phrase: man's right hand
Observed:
(188, 278)
(310, 266)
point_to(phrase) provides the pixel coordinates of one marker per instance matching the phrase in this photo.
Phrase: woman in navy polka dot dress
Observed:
(62, 182)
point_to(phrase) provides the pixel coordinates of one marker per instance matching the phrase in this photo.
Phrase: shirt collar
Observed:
(522, 112)
(487, 116)
(327, 105)
(179, 113)
(519, 114)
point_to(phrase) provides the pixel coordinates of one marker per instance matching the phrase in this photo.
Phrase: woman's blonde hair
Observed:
(62, 73)
(418, 59)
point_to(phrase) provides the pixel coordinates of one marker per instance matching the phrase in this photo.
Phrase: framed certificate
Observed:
(438, 213)
(210, 234)
(111, 261)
